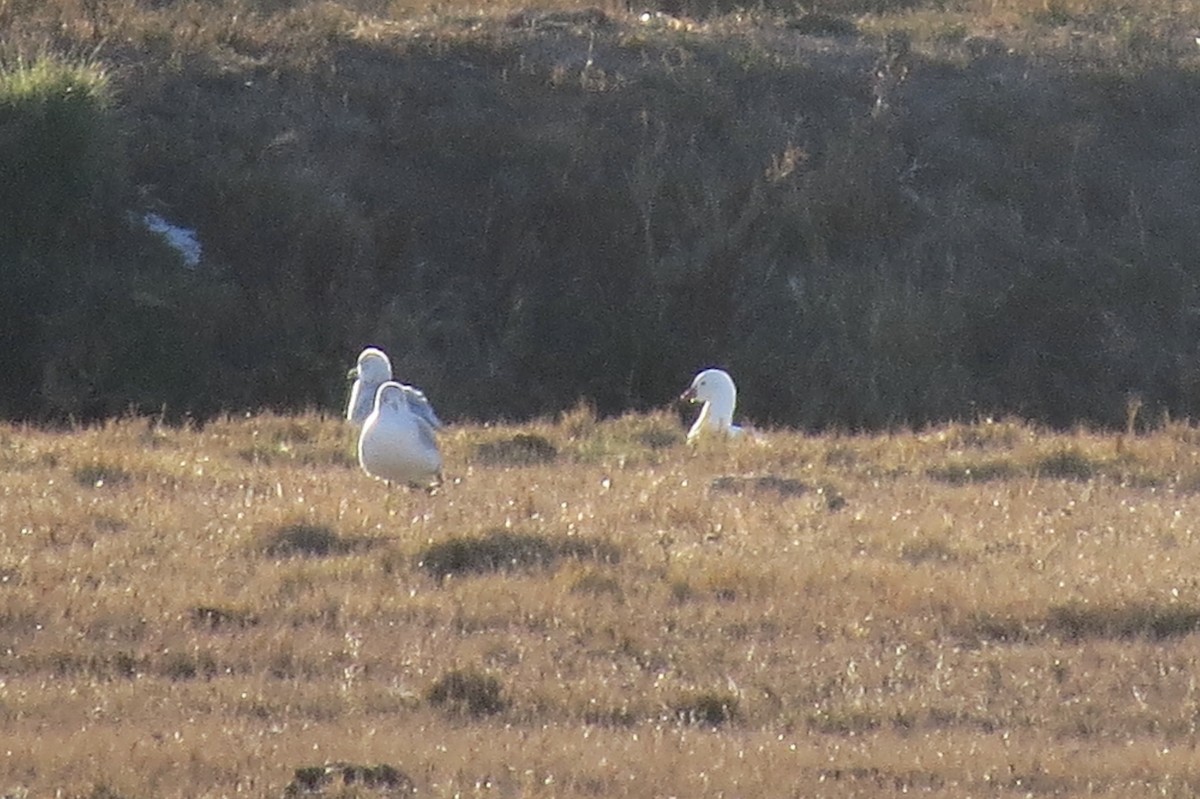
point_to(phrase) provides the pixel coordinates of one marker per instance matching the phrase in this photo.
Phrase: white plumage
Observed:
(372, 371)
(715, 388)
(397, 442)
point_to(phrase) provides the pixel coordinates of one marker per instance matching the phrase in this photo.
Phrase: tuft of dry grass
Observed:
(633, 618)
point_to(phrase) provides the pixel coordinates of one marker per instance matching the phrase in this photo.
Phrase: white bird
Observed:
(716, 390)
(397, 442)
(372, 371)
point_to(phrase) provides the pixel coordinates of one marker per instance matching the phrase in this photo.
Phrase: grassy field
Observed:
(594, 609)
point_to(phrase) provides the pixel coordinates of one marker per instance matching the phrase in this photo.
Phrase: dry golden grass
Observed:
(984, 610)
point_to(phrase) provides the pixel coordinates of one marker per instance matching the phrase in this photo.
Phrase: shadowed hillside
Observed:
(873, 215)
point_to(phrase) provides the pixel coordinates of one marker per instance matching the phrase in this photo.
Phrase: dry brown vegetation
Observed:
(594, 609)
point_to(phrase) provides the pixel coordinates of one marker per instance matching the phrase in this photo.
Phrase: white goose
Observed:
(372, 371)
(715, 388)
(396, 443)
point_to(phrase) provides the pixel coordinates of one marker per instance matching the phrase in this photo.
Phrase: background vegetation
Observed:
(874, 213)
(986, 610)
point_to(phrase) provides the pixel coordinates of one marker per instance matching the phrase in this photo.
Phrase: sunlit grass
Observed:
(206, 620)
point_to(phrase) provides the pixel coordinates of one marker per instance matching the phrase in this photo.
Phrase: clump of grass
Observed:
(467, 692)
(179, 666)
(348, 777)
(214, 618)
(304, 539)
(927, 550)
(580, 421)
(282, 440)
(770, 483)
(610, 716)
(1188, 483)
(997, 627)
(835, 500)
(706, 708)
(522, 449)
(840, 455)
(659, 437)
(103, 791)
(843, 721)
(959, 474)
(500, 550)
(596, 584)
(1076, 621)
(988, 434)
(119, 665)
(98, 475)
(817, 23)
(681, 590)
(494, 551)
(1066, 464)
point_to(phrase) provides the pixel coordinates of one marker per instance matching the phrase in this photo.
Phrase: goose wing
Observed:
(418, 403)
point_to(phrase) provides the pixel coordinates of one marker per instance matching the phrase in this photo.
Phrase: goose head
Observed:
(712, 386)
(715, 389)
(390, 399)
(373, 366)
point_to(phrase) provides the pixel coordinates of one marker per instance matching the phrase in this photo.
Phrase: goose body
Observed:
(397, 441)
(716, 390)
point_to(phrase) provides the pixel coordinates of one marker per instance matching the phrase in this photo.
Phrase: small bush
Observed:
(467, 692)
